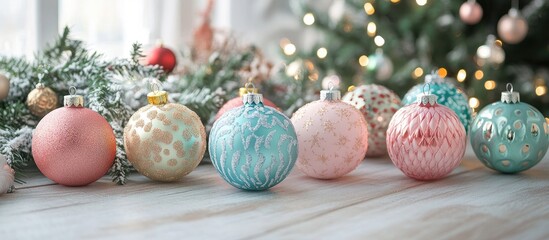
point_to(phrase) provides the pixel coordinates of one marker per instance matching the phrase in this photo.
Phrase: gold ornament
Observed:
(4, 87)
(164, 141)
(41, 100)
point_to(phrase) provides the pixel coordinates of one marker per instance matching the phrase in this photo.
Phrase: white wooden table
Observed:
(376, 201)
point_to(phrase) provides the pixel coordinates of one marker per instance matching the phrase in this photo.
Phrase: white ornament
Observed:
(490, 52)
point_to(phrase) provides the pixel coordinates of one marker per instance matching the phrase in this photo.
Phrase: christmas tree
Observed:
(396, 43)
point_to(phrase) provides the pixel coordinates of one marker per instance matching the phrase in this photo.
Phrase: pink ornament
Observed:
(73, 146)
(470, 12)
(377, 104)
(512, 28)
(237, 102)
(332, 137)
(425, 140)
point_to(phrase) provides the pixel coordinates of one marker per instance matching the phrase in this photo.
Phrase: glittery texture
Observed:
(333, 138)
(448, 95)
(165, 142)
(509, 138)
(426, 142)
(41, 101)
(237, 102)
(378, 105)
(7, 175)
(73, 146)
(253, 147)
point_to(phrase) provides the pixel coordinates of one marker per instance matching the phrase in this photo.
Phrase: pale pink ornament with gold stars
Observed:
(332, 137)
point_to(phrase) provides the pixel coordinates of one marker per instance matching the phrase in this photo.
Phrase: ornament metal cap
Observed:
(73, 100)
(331, 94)
(251, 95)
(510, 96)
(426, 98)
(156, 96)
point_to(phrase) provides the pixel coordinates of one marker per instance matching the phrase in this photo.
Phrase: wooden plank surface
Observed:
(375, 201)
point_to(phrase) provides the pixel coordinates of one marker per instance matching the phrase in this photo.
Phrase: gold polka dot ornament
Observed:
(164, 141)
(509, 136)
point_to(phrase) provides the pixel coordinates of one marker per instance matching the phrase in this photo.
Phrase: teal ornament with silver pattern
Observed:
(253, 147)
(447, 94)
(509, 136)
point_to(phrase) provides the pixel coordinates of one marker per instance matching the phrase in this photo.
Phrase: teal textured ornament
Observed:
(509, 136)
(447, 95)
(253, 147)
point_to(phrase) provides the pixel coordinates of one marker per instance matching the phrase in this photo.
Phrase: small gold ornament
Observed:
(41, 100)
(4, 87)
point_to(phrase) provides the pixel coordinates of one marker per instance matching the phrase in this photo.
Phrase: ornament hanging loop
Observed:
(250, 87)
(331, 85)
(72, 90)
(428, 88)
(509, 87)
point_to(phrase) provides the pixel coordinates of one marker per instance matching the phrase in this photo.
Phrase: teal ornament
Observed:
(509, 136)
(447, 95)
(253, 147)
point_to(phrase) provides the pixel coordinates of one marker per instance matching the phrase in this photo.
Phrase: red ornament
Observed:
(73, 145)
(163, 57)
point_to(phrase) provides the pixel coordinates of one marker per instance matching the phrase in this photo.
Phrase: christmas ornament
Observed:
(164, 141)
(73, 145)
(7, 175)
(378, 105)
(425, 140)
(470, 12)
(490, 52)
(41, 100)
(204, 34)
(509, 136)
(162, 56)
(4, 87)
(448, 95)
(253, 147)
(237, 102)
(512, 27)
(380, 65)
(332, 136)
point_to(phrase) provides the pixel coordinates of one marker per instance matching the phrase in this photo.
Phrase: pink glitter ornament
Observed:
(425, 140)
(237, 102)
(332, 137)
(470, 12)
(73, 145)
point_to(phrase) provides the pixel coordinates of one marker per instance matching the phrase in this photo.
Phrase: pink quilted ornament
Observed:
(378, 104)
(332, 137)
(425, 140)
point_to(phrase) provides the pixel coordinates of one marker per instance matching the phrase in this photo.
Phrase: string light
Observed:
(351, 88)
(541, 90)
(321, 52)
(499, 43)
(289, 49)
(369, 8)
(418, 72)
(363, 60)
(474, 102)
(309, 19)
(371, 29)
(479, 74)
(395, 1)
(490, 85)
(442, 72)
(462, 74)
(421, 2)
(379, 41)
